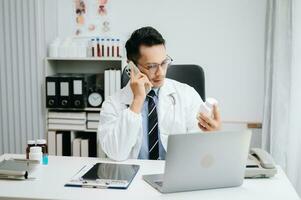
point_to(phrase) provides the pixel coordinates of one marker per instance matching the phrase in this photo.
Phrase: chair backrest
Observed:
(192, 75)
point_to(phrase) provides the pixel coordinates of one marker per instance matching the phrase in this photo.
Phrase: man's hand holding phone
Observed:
(140, 85)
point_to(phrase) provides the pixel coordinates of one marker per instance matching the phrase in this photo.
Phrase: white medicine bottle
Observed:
(35, 153)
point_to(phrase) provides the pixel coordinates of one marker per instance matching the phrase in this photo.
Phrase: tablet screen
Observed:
(110, 171)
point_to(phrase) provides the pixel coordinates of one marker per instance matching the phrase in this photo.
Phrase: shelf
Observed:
(92, 109)
(74, 109)
(83, 59)
(90, 130)
(85, 130)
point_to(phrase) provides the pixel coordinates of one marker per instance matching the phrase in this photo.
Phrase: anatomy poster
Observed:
(91, 17)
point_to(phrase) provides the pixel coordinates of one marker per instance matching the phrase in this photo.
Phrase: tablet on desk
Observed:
(106, 175)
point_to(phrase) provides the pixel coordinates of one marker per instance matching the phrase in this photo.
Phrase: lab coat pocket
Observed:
(170, 126)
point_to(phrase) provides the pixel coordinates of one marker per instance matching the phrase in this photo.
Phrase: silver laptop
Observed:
(203, 161)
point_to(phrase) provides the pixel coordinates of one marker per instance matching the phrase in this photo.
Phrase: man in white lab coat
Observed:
(135, 123)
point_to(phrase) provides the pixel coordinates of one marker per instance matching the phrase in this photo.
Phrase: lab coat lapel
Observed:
(165, 98)
(166, 102)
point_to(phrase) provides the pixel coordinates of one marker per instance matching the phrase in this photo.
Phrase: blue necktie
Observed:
(153, 142)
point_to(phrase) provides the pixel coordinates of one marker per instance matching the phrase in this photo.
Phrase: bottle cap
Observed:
(41, 141)
(31, 142)
(210, 102)
(35, 150)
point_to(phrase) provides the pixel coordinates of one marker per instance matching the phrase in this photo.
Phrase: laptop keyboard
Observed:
(160, 183)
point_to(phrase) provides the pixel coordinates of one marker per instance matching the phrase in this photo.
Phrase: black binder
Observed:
(79, 91)
(65, 90)
(52, 92)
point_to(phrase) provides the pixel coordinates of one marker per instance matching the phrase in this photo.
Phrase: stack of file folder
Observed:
(93, 120)
(67, 120)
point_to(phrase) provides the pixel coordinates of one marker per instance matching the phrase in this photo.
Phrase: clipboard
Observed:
(104, 176)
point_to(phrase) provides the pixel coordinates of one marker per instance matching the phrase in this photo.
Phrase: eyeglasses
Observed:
(153, 67)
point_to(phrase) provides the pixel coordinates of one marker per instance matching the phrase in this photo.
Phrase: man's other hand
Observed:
(210, 123)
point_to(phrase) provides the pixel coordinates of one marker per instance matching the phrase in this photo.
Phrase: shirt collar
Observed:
(156, 90)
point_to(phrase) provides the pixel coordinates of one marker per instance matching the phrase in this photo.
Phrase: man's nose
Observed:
(159, 71)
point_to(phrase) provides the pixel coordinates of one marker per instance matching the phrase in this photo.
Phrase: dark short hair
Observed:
(147, 36)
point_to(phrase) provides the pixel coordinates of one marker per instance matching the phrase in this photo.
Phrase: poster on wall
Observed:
(91, 17)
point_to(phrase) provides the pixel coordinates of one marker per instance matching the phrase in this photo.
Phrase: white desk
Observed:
(60, 169)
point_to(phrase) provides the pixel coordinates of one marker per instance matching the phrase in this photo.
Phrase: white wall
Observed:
(226, 38)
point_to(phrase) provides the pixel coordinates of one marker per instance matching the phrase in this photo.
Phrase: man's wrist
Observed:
(137, 105)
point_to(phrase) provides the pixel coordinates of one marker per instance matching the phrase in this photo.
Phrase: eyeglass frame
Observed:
(157, 65)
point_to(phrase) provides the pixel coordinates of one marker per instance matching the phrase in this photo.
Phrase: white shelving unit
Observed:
(86, 58)
(85, 130)
(54, 65)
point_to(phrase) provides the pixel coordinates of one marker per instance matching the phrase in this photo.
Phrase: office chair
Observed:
(192, 75)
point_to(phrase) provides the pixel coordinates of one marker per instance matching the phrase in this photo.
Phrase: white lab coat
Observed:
(120, 129)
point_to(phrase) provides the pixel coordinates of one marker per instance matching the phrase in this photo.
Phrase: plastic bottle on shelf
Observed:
(98, 47)
(93, 50)
(42, 143)
(113, 47)
(119, 48)
(108, 48)
(102, 47)
(30, 143)
(64, 48)
(35, 153)
(81, 50)
(89, 48)
(53, 49)
(73, 50)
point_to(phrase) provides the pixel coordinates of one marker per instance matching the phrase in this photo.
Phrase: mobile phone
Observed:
(128, 69)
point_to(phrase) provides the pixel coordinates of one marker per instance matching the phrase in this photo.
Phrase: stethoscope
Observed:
(173, 99)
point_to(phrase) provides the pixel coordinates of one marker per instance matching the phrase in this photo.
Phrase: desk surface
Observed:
(50, 185)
